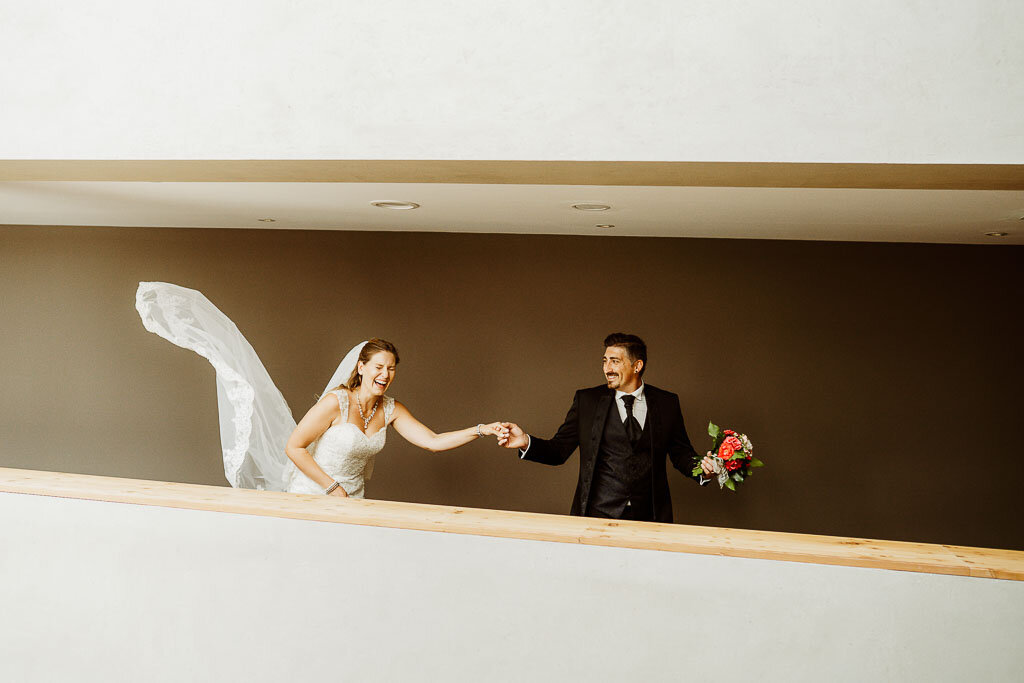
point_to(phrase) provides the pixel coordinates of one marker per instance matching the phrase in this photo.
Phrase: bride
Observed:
(344, 458)
(331, 450)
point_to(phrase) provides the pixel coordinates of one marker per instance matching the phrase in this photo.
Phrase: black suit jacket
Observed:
(584, 425)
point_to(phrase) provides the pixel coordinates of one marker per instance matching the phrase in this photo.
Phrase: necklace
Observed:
(366, 420)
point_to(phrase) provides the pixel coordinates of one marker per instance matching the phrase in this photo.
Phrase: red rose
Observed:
(725, 451)
(733, 465)
(736, 444)
(728, 432)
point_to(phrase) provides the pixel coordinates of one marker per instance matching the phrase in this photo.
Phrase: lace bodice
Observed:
(344, 452)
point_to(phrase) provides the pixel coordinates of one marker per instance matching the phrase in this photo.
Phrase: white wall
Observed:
(96, 591)
(702, 80)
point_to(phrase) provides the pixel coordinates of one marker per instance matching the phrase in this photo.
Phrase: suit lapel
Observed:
(652, 412)
(600, 417)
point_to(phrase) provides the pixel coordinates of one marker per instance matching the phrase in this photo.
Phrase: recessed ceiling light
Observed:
(266, 220)
(604, 225)
(591, 207)
(996, 234)
(398, 206)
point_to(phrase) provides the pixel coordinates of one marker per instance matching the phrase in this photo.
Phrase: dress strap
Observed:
(342, 397)
(389, 409)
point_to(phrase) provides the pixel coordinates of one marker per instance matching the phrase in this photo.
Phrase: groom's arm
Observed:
(557, 449)
(680, 450)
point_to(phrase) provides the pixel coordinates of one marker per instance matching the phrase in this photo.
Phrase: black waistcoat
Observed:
(622, 473)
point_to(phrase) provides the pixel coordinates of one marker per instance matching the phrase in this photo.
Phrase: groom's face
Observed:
(620, 371)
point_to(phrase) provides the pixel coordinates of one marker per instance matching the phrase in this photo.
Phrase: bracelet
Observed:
(478, 429)
(330, 489)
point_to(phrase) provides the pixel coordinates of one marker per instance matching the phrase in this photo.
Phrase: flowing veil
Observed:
(255, 421)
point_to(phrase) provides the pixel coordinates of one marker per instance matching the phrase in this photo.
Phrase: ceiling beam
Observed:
(622, 173)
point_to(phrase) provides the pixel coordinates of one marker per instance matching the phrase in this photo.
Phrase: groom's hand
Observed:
(516, 437)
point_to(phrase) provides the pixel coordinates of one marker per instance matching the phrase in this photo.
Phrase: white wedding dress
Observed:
(344, 452)
(255, 421)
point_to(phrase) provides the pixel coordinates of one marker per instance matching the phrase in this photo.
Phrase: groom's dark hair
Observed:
(635, 347)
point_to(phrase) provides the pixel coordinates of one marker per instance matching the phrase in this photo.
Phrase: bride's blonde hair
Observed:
(370, 348)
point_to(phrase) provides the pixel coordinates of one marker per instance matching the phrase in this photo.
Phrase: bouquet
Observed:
(733, 455)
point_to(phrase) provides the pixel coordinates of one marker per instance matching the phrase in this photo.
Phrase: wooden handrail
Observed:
(768, 545)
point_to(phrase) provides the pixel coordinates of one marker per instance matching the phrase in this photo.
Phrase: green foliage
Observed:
(717, 437)
(754, 462)
(729, 485)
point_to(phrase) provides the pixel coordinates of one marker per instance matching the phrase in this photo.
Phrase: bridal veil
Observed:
(255, 421)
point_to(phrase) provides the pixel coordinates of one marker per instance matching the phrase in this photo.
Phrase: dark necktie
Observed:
(632, 425)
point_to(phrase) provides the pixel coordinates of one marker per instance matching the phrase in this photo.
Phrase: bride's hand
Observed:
(340, 492)
(496, 429)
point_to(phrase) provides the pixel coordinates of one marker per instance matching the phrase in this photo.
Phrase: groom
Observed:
(624, 430)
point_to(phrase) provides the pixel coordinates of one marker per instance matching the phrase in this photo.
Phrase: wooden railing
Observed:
(769, 545)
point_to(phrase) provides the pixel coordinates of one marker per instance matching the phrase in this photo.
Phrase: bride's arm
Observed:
(309, 429)
(418, 434)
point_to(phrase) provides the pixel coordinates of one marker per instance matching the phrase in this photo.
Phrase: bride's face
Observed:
(378, 373)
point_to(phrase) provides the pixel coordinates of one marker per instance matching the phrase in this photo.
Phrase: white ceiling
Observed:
(944, 216)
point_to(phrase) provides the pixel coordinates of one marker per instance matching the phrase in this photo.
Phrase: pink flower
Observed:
(736, 444)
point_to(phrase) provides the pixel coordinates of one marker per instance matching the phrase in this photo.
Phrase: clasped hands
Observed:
(508, 434)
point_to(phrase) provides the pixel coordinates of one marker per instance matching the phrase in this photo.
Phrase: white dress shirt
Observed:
(639, 405)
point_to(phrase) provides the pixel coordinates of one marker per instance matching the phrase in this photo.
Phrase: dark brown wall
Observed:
(880, 382)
